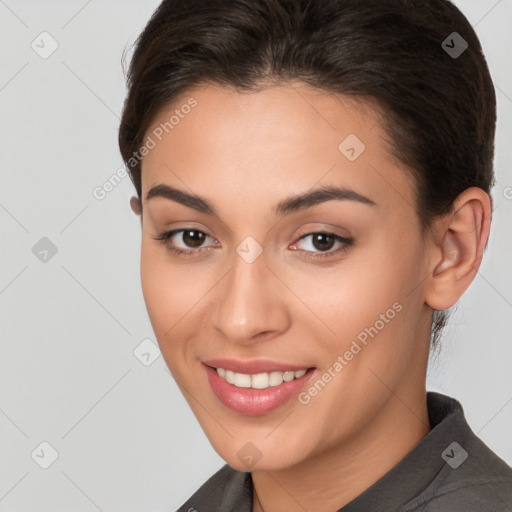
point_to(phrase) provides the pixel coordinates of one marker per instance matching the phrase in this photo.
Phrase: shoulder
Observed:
(473, 478)
(223, 491)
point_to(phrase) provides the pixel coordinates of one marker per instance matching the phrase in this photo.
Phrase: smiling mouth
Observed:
(252, 391)
(259, 380)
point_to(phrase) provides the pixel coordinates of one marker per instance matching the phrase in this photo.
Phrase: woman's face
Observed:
(332, 283)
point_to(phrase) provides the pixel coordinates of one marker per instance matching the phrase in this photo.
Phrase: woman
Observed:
(313, 181)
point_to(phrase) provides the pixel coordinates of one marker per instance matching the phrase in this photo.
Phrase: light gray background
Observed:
(125, 438)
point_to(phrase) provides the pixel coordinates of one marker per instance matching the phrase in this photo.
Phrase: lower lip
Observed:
(254, 402)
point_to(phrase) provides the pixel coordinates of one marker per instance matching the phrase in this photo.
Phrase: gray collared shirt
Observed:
(450, 470)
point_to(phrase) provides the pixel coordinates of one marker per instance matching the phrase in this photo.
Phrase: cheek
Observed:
(353, 295)
(155, 281)
(173, 293)
(167, 297)
(363, 308)
(371, 317)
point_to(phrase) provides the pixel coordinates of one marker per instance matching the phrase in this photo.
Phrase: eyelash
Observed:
(165, 238)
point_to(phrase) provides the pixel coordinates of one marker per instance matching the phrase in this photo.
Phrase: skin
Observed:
(245, 152)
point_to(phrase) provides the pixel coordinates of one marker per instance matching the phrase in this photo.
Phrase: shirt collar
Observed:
(421, 465)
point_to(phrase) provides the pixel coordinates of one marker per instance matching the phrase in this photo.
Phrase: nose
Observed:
(249, 307)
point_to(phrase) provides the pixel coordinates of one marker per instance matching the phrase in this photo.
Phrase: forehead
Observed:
(281, 138)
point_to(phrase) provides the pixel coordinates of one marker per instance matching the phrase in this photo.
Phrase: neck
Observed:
(338, 475)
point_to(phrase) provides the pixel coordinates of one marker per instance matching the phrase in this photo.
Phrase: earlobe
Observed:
(462, 237)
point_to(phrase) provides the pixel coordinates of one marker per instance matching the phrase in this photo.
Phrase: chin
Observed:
(257, 456)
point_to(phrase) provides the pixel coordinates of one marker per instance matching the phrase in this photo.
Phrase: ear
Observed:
(136, 205)
(457, 248)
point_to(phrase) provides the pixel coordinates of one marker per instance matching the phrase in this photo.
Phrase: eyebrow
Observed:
(290, 205)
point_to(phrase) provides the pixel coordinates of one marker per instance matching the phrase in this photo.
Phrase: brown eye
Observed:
(193, 238)
(184, 241)
(323, 241)
(321, 244)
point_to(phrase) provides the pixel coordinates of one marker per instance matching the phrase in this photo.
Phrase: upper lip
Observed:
(253, 367)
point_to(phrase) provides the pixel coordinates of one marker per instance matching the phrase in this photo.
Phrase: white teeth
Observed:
(275, 378)
(288, 376)
(242, 380)
(229, 377)
(259, 380)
